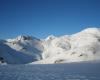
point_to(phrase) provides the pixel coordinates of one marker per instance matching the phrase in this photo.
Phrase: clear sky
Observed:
(41, 18)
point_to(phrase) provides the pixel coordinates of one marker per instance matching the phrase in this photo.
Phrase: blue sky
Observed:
(41, 18)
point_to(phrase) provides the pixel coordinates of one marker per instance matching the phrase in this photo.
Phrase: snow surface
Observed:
(82, 46)
(69, 71)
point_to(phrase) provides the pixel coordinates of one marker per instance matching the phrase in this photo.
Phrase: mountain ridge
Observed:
(82, 46)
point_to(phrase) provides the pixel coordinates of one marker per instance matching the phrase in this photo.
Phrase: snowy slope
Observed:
(82, 46)
(21, 50)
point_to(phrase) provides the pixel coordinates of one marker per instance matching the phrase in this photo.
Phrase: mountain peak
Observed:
(92, 30)
(50, 37)
(24, 37)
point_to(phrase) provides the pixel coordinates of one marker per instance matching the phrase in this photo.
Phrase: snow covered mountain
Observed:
(82, 46)
(21, 50)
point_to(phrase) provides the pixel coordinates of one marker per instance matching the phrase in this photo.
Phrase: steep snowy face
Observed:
(87, 43)
(55, 46)
(27, 43)
(30, 47)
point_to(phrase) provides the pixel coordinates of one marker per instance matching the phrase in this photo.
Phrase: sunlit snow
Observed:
(82, 46)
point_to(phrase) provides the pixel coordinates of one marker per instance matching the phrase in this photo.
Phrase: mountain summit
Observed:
(82, 46)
